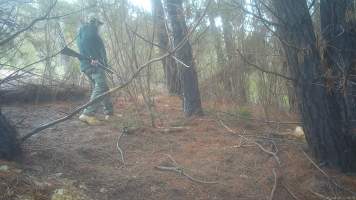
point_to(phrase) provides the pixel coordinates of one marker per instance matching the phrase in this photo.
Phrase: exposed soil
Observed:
(87, 157)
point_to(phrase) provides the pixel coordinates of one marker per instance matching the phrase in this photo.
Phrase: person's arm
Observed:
(103, 56)
(82, 46)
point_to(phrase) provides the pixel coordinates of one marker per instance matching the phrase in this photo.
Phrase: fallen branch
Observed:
(274, 154)
(179, 170)
(275, 184)
(172, 129)
(289, 191)
(119, 149)
(327, 176)
(320, 195)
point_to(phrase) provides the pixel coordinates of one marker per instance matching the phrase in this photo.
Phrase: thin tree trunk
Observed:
(189, 78)
(169, 64)
(9, 148)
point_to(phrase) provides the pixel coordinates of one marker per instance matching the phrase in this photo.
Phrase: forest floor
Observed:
(75, 161)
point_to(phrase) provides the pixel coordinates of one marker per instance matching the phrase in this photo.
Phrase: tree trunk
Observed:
(326, 134)
(169, 64)
(188, 74)
(9, 148)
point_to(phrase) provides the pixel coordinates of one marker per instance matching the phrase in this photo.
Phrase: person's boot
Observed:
(91, 120)
(109, 117)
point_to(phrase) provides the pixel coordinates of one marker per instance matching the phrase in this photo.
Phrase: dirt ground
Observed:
(224, 165)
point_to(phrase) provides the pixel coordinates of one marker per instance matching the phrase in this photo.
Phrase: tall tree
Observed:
(338, 22)
(188, 74)
(169, 64)
(326, 131)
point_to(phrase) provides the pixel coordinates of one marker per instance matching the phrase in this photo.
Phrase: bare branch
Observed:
(263, 70)
(275, 184)
(259, 17)
(119, 149)
(44, 17)
(274, 154)
(180, 170)
(326, 175)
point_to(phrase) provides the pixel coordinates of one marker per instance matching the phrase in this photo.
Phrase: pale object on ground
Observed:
(4, 168)
(298, 132)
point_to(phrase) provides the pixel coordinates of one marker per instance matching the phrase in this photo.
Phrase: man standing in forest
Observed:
(91, 46)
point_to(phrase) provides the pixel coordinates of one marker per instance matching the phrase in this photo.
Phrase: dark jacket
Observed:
(90, 45)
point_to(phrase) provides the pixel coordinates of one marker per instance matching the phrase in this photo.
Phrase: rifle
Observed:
(70, 52)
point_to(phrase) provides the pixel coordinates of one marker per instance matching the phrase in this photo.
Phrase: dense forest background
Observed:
(282, 56)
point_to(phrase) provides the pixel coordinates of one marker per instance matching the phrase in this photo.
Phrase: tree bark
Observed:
(9, 148)
(326, 134)
(169, 64)
(338, 28)
(188, 74)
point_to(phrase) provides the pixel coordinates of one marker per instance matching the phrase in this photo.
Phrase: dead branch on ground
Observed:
(180, 170)
(327, 176)
(289, 191)
(274, 154)
(119, 148)
(275, 184)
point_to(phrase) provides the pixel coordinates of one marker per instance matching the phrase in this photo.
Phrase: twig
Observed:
(119, 149)
(289, 191)
(261, 69)
(320, 195)
(275, 184)
(274, 154)
(179, 170)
